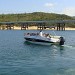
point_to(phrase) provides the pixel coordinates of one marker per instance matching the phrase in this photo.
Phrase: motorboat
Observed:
(43, 38)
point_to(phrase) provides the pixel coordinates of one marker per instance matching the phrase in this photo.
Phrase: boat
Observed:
(43, 38)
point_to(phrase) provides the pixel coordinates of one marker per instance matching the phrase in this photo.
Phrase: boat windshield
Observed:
(32, 34)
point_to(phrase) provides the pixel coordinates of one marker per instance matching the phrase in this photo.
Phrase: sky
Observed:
(66, 7)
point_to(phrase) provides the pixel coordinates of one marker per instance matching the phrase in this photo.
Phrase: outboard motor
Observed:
(62, 41)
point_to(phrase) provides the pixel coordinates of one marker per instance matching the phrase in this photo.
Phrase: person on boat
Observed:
(41, 33)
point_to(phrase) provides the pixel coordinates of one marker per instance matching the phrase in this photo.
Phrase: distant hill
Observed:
(33, 16)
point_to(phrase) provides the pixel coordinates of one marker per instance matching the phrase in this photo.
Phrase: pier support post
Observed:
(41, 26)
(63, 26)
(0, 27)
(24, 26)
(60, 26)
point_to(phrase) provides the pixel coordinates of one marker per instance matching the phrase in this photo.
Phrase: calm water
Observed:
(19, 58)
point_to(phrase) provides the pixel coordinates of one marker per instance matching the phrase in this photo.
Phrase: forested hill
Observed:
(35, 16)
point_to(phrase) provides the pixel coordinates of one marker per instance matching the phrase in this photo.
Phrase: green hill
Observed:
(36, 16)
(33, 16)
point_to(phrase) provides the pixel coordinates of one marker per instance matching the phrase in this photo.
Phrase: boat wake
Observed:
(69, 46)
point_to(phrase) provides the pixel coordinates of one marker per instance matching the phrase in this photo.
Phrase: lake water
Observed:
(19, 58)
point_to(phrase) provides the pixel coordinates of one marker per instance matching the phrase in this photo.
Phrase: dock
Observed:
(41, 25)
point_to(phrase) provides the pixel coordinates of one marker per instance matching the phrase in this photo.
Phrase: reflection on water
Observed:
(61, 47)
(52, 49)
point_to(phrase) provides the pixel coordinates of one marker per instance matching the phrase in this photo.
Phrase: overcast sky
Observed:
(28, 6)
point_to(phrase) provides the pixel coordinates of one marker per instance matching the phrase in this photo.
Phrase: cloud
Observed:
(49, 4)
(69, 11)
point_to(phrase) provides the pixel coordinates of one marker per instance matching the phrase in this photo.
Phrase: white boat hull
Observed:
(39, 43)
(44, 40)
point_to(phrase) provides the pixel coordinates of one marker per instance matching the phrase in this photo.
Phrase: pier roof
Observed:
(50, 21)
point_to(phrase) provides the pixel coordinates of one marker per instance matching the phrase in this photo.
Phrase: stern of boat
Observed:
(62, 40)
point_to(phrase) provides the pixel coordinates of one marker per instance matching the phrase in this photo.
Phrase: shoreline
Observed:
(35, 28)
(69, 28)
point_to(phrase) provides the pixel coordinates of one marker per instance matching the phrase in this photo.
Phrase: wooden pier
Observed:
(41, 25)
(10, 26)
(7, 26)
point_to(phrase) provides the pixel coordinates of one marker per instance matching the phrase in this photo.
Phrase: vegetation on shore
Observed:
(35, 16)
